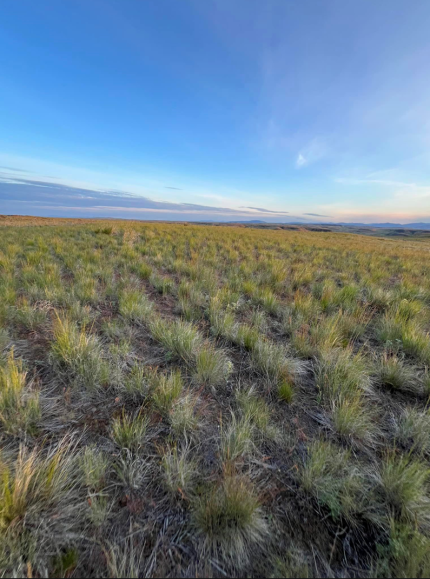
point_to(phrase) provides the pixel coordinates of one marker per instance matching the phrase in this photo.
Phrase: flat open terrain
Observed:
(186, 400)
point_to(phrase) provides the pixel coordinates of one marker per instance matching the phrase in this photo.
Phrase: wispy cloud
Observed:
(175, 188)
(13, 169)
(316, 214)
(316, 150)
(301, 160)
(261, 210)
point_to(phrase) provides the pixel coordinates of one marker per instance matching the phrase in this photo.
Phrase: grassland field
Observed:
(182, 400)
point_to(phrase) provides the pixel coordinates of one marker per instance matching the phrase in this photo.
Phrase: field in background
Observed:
(185, 400)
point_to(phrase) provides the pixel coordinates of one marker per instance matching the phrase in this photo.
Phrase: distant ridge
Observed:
(424, 226)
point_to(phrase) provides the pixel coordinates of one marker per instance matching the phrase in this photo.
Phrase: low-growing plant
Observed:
(135, 306)
(230, 518)
(407, 553)
(212, 366)
(286, 391)
(130, 432)
(135, 384)
(254, 408)
(77, 355)
(403, 484)
(393, 372)
(19, 403)
(331, 478)
(181, 339)
(179, 470)
(183, 417)
(95, 465)
(341, 372)
(353, 419)
(237, 438)
(273, 363)
(166, 389)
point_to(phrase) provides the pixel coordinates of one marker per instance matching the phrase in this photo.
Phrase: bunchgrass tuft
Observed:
(183, 417)
(403, 484)
(237, 438)
(331, 478)
(135, 306)
(130, 432)
(286, 391)
(95, 465)
(212, 366)
(230, 519)
(179, 470)
(19, 403)
(181, 339)
(273, 363)
(413, 430)
(166, 389)
(394, 373)
(77, 355)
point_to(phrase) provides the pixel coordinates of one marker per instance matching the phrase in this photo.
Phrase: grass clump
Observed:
(167, 389)
(343, 379)
(181, 339)
(77, 355)
(179, 470)
(328, 475)
(183, 418)
(394, 373)
(254, 409)
(135, 306)
(273, 363)
(230, 518)
(353, 419)
(130, 432)
(41, 506)
(19, 405)
(407, 553)
(95, 465)
(237, 438)
(286, 391)
(212, 366)
(413, 430)
(342, 372)
(403, 484)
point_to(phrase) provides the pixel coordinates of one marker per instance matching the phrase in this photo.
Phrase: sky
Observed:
(286, 110)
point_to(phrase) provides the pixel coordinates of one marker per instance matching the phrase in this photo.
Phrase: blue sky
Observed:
(295, 107)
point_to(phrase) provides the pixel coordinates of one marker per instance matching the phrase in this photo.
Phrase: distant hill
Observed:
(423, 226)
